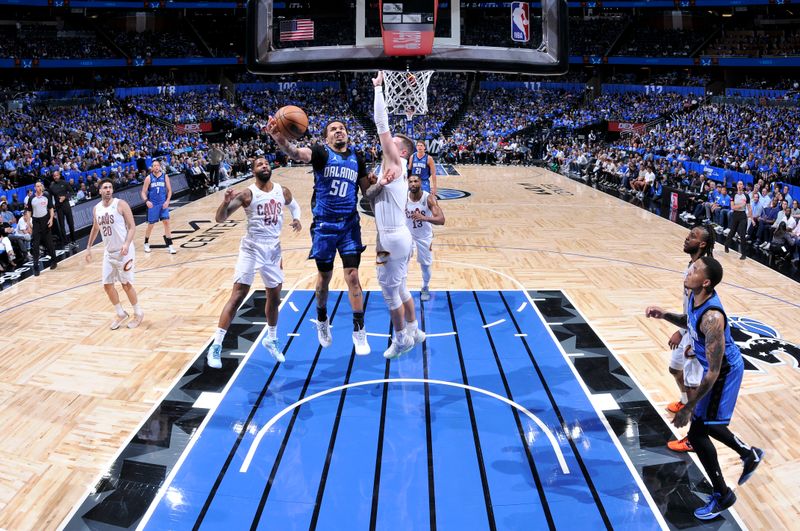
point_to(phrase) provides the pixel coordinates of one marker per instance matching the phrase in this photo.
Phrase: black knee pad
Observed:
(351, 261)
(324, 267)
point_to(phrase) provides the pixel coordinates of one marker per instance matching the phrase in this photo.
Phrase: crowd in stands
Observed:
(593, 36)
(157, 44)
(190, 107)
(647, 41)
(748, 42)
(88, 143)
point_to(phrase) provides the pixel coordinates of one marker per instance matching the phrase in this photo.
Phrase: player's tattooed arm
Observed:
(713, 327)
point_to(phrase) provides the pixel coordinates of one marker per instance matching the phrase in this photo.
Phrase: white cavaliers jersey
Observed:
(265, 214)
(390, 205)
(420, 230)
(112, 225)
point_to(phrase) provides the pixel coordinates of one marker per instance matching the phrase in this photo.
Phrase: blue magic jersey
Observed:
(419, 166)
(335, 184)
(733, 357)
(157, 192)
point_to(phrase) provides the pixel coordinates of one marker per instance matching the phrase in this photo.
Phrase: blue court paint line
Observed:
(458, 491)
(480, 449)
(403, 497)
(300, 368)
(209, 455)
(511, 479)
(300, 468)
(347, 499)
(623, 500)
(570, 497)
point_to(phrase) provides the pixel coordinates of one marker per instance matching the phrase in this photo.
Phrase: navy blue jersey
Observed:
(336, 177)
(157, 192)
(419, 166)
(733, 357)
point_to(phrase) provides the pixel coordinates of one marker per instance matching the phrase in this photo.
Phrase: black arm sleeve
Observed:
(319, 157)
(362, 166)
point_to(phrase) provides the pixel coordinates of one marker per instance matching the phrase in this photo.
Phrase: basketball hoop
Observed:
(406, 92)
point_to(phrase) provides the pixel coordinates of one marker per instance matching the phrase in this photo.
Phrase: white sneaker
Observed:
(360, 341)
(147, 247)
(172, 250)
(118, 320)
(424, 295)
(214, 357)
(418, 336)
(274, 348)
(324, 333)
(397, 349)
(726, 232)
(136, 321)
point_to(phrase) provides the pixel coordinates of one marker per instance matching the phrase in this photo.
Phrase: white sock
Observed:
(120, 310)
(411, 326)
(137, 309)
(219, 335)
(400, 336)
(272, 332)
(684, 398)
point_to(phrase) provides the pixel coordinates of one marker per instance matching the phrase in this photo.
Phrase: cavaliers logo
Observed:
(128, 266)
(760, 342)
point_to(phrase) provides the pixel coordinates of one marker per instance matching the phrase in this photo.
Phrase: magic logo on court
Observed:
(761, 342)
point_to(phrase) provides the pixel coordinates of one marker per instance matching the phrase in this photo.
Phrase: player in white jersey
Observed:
(259, 250)
(422, 211)
(389, 196)
(683, 366)
(113, 219)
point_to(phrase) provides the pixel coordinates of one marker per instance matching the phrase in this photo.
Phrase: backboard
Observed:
(345, 35)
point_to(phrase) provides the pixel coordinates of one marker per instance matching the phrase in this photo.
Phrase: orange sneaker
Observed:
(676, 406)
(680, 446)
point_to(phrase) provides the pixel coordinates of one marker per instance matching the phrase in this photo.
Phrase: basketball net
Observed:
(406, 92)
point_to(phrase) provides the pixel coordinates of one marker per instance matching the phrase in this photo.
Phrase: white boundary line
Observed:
(168, 481)
(440, 334)
(692, 455)
(489, 325)
(133, 434)
(637, 478)
(266, 427)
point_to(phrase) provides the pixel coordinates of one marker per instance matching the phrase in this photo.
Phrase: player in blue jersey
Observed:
(336, 226)
(156, 192)
(712, 404)
(423, 165)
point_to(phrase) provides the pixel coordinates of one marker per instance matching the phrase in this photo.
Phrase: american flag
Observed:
(301, 29)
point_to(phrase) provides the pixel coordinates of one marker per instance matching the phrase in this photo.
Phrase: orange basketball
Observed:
(292, 121)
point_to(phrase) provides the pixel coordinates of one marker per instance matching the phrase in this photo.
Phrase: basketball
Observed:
(291, 121)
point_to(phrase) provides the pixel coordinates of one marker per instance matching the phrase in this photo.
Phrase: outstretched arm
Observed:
(659, 313)
(302, 154)
(390, 153)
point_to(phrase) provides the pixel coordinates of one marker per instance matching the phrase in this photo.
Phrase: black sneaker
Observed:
(716, 505)
(36, 271)
(750, 463)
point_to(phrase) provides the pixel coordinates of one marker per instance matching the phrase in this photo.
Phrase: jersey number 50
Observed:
(339, 188)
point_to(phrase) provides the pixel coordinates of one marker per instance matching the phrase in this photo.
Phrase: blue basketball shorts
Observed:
(717, 406)
(157, 213)
(343, 235)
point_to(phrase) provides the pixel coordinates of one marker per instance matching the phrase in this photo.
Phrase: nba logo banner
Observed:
(673, 203)
(520, 22)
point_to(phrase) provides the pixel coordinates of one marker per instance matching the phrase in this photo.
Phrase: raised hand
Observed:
(378, 81)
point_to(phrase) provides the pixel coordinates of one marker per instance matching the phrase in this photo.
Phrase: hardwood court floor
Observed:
(73, 391)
